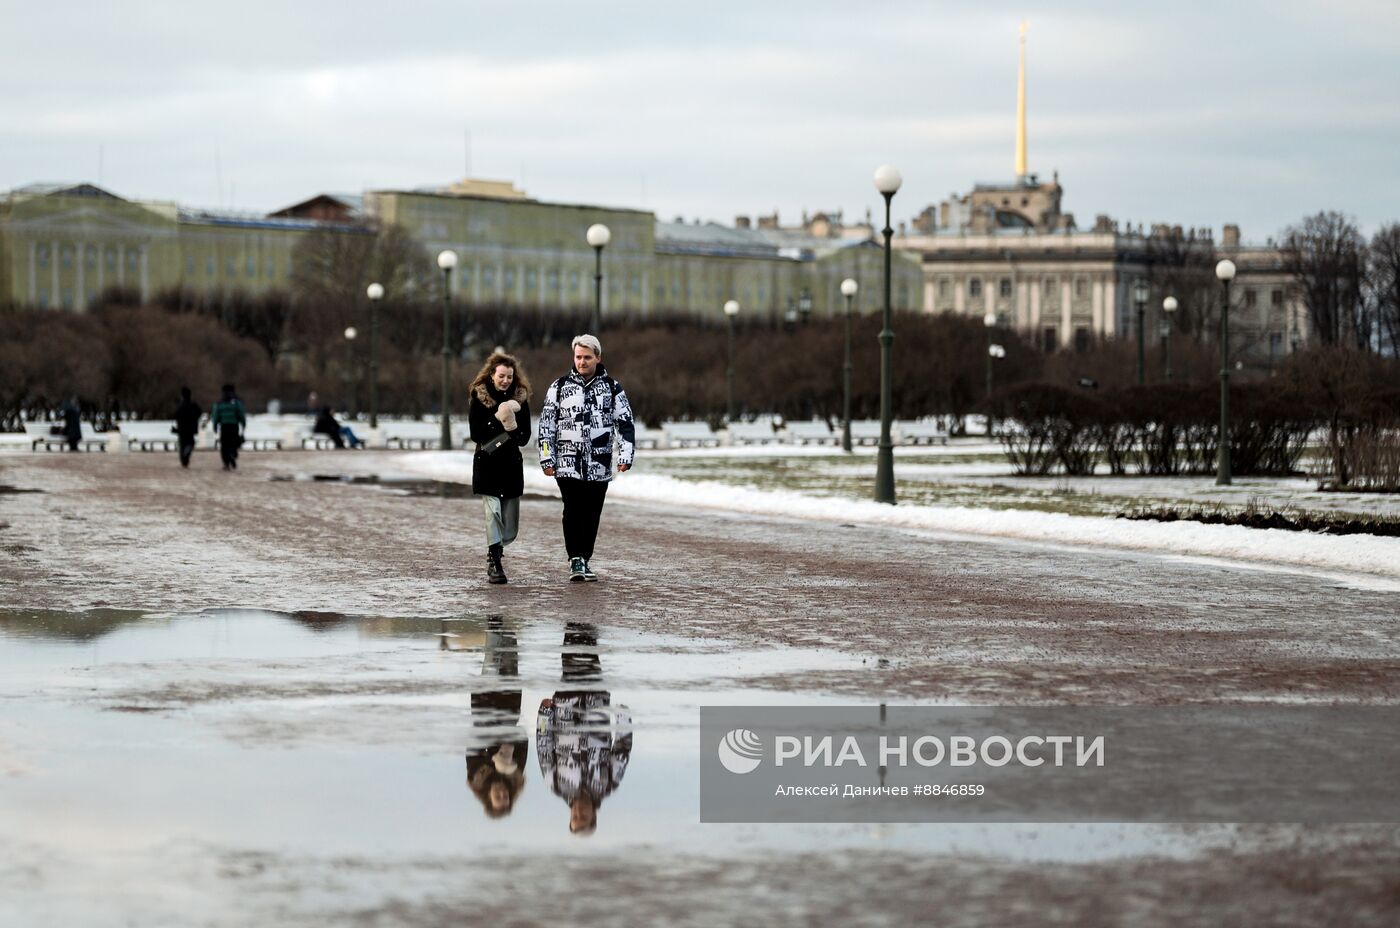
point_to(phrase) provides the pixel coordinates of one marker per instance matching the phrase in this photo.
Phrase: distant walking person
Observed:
(583, 413)
(72, 424)
(186, 425)
(499, 416)
(228, 419)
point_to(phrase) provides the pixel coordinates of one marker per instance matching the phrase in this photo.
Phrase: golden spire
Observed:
(1021, 108)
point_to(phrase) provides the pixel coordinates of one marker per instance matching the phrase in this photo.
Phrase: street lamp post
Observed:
(350, 333)
(1169, 313)
(849, 288)
(731, 310)
(887, 181)
(1140, 294)
(375, 292)
(447, 260)
(598, 235)
(1225, 272)
(804, 306)
(989, 322)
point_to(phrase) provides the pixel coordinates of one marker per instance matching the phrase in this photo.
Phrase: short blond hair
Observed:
(590, 342)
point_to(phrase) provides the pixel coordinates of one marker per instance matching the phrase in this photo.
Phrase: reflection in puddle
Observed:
(321, 733)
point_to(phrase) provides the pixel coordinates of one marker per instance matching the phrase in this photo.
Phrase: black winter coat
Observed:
(499, 473)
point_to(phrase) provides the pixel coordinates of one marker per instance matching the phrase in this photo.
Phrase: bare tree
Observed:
(1183, 265)
(1383, 285)
(1326, 256)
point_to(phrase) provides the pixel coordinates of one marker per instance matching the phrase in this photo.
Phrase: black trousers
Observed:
(228, 444)
(186, 449)
(583, 507)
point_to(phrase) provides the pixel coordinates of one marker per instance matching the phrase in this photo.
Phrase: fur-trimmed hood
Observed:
(486, 396)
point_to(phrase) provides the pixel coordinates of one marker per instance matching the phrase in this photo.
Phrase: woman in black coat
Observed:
(499, 416)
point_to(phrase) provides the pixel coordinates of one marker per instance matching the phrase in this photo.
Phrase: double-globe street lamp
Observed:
(1140, 295)
(1224, 272)
(447, 260)
(1168, 313)
(887, 181)
(375, 292)
(849, 288)
(731, 310)
(598, 235)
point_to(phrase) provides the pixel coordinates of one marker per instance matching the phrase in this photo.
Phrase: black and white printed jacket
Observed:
(579, 423)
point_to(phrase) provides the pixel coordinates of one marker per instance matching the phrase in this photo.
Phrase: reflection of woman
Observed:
(582, 740)
(499, 416)
(496, 769)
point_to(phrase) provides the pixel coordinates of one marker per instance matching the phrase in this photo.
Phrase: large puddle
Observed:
(317, 733)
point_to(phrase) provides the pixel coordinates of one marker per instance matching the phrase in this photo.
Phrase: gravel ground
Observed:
(939, 619)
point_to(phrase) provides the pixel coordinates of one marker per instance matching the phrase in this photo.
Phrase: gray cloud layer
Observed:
(1194, 112)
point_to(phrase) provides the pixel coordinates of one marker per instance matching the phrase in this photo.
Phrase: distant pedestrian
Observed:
(187, 416)
(228, 419)
(583, 414)
(499, 417)
(72, 424)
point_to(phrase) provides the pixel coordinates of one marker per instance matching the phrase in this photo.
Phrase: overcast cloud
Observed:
(1195, 113)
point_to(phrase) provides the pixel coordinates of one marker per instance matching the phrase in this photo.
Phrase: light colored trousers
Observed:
(502, 520)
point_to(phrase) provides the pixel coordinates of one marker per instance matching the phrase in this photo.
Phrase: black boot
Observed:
(495, 573)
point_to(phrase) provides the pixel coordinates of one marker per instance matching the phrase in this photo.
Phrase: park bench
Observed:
(149, 436)
(866, 432)
(921, 432)
(40, 435)
(643, 437)
(260, 436)
(752, 433)
(405, 435)
(689, 435)
(809, 433)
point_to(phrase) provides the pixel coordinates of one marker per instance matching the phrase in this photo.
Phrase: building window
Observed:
(464, 278)
(189, 264)
(573, 280)
(488, 278)
(974, 287)
(271, 268)
(250, 266)
(1081, 338)
(635, 284)
(510, 278)
(111, 259)
(661, 291)
(209, 267)
(90, 256)
(1005, 287)
(1276, 298)
(531, 278)
(552, 280)
(67, 254)
(1251, 298)
(1049, 286)
(230, 267)
(132, 257)
(1081, 287)
(1275, 344)
(1049, 338)
(43, 297)
(943, 288)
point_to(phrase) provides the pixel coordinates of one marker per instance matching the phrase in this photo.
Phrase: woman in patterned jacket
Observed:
(584, 413)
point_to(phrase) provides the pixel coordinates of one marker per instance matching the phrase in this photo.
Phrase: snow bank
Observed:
(1346, 553)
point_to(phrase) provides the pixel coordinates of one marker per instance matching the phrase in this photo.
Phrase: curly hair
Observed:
(483, 376)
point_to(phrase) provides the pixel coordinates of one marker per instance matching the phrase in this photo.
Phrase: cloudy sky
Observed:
(1196, 113)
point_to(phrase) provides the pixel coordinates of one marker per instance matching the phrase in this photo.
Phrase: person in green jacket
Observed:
(228, 420)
